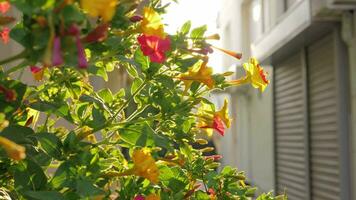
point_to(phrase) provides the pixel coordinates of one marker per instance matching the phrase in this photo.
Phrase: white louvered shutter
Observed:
(290, 138)
(324, 133)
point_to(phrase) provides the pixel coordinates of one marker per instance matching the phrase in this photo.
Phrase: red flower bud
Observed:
(4, 6)
(98, 34)
(136, 18)
(5, 35)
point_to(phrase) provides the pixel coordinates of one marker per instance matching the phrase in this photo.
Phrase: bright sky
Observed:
(200, 12)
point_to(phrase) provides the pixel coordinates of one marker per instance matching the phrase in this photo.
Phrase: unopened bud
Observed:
(207, 149)
(214, 157)
(230, 53)
(213, 165)
(136, 18)
(155, 149)
(201, 141)
(240, 177)
(213, 37)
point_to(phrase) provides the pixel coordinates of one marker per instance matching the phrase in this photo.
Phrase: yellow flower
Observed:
(13, 150)
(144, 165)
(100, 8)
(200, 73)
(211, 120)
(254, 75)
(153, 197)
(152, 24)
(224, 114)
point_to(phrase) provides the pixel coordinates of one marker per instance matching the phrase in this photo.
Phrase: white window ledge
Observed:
(294, 23)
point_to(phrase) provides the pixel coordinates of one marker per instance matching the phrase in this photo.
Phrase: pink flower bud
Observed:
(57, 55)
(139, 197)
(82, 60)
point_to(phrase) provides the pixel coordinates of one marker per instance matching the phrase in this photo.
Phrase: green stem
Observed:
(122, 107)
(129, 100)
(203, 180)
(136, 112)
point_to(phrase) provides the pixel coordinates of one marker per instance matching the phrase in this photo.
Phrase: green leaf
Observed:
(131, 70)
(186, 28)
(51, 144)
(187, 125)
(142, 60)
(173, 178)
(59, 108)
(18, 134)
(106, 95)
(29, 176)
(99, 71)
(200, 195)
(70, 142)
(87, 189)
(44, 195)
(72, 14)
(138, 135)
(136, 84)
(63, 175)
(198, 32)
(99, 102)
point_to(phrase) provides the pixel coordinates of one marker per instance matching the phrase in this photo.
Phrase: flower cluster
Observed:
(154, 41)
(143, 141)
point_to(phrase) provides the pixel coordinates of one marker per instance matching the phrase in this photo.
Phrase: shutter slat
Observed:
(325, 176)
(289, 126)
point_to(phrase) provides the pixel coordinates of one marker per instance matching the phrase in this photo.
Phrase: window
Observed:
(256, 20)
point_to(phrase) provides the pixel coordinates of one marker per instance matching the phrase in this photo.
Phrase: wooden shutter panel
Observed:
(324, 133)
(290, 138)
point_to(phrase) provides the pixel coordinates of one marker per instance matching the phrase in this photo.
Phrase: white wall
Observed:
(261, 136)
(249, 143)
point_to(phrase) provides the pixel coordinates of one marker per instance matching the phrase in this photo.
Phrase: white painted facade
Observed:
(265, 29)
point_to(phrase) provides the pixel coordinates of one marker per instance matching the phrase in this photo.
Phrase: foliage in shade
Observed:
(140, 142)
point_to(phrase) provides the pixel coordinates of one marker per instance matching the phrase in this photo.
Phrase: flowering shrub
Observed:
(136, 143)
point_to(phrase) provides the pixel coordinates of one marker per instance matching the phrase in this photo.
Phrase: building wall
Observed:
(249, 146)
(351, 42)
(253, 128)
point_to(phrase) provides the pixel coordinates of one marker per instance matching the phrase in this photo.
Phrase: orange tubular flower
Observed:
(4, 7)
(211, 120)
(255, 75)
(200, 73)
(144, 165)
(100, 8)
(153, 197)
(37, 72)
(13, 150)
(151, 23)
(230, 53)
